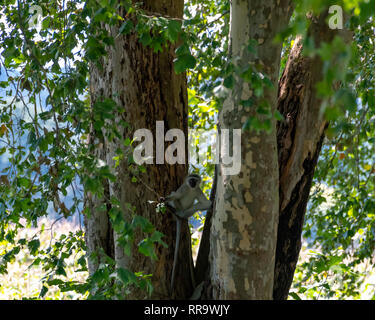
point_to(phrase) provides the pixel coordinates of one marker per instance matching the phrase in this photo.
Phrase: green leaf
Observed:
(143, 223)
(126, 27)
(45, 115)
(31, 139)
(268, 83)
(24, 182)
(229, 82)
(156, 237)
(146, 247)
(127, 142)
(184, 62)
(174, 29)
(126, 276)
(33, 246)
(145, 39)
(43, 291)
(55, 282)
(183, 49)
(247, 103)
(278, 116)
(294, 295)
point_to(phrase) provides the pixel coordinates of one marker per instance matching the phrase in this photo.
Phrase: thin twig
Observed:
(211, 22)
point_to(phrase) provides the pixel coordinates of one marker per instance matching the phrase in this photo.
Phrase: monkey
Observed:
(183, 204)
(182, 200)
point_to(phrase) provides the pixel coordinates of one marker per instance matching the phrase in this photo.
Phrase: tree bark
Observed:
(300, 140)
(145, 85)
(244, 224)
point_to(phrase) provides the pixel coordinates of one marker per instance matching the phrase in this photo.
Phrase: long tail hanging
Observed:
(178, 233)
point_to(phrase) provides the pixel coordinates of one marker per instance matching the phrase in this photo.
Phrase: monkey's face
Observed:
(193, 182)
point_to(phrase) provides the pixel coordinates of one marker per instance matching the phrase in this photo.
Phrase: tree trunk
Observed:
(244, 224)
(145, 85)
(300, 140)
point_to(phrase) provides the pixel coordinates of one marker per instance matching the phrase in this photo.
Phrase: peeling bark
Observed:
(244, 224)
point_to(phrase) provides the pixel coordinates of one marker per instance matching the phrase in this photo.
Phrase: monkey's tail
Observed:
(178, 234)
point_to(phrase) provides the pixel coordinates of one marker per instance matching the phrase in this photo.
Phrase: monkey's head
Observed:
(193, 180)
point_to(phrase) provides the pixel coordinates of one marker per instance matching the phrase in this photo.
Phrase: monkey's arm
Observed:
(203, 204)
(176, 195)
